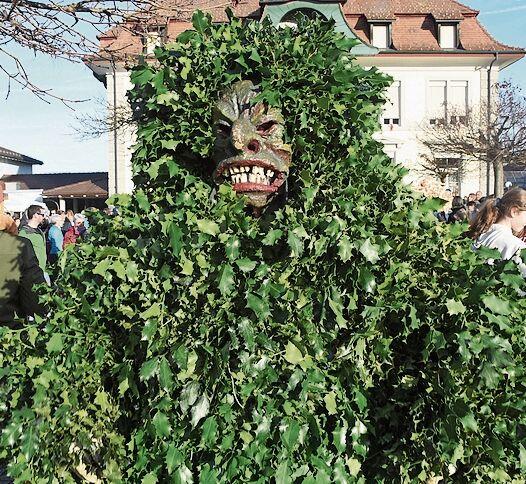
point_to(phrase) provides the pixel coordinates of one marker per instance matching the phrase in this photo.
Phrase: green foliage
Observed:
(344, 337)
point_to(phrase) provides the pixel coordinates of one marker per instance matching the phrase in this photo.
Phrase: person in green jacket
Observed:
(19, 271)
(32, 232)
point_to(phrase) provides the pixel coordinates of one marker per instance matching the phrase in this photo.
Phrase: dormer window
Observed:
(291, 18)
(381, 34)
(153, 38)
(448, 35)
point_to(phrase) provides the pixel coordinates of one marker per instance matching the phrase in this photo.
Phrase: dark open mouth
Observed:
(251, 176)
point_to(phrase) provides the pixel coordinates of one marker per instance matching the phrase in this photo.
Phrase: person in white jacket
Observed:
(498, 223)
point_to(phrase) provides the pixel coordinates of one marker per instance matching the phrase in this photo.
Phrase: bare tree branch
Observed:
(62, 30)
(494, 134)
(105, 120)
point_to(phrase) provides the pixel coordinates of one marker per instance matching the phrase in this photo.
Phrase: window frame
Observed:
(389, 37)
(456, 26)
(394, 122)
(157, 32)
(448, 117)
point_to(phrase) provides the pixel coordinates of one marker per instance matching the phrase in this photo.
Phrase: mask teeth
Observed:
(250, 174)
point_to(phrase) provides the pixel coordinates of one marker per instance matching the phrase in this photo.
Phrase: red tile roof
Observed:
(413, 23)
(387, 9)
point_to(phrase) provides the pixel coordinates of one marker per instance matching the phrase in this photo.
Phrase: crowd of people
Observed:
(462, 209)
(466, 209)
(50, 232)
(32, 242)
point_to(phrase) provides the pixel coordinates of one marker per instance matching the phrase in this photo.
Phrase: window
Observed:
(436, 104)
(391, 114)
(457, 102)
(151, 39)
(447, 102)
(452, 169)
(448, 35)
(290, 19)
(381, 35)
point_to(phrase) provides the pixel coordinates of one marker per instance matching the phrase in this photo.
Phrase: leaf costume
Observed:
(341, 336)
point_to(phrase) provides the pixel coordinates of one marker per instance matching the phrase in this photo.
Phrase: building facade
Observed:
(441, 58)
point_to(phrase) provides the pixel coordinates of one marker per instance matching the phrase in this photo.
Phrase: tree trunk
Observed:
(498, 172)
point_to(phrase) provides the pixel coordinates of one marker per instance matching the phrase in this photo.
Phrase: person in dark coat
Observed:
(19, 271)
(458, 211)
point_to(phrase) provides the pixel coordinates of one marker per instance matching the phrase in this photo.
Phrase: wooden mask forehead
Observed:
(235, 100)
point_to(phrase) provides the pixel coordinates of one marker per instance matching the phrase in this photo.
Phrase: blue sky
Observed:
(47, 131)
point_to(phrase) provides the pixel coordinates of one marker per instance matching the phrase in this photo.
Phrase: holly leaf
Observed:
(330, 403)
(209, 430)
(152, 312)
(150, 478)
(272, 237)
(174, 458)
(354, 466)
(165, 374)
(258, 305)
(293, 354)
(370, 251)
(246, 265)
(345, 249)
(226, 280)
(148, 369)
(200, 409)
(367, 280)
(55, 343)
(102, 267)
(161, 424)
(455, 307)
(208, 227)
(497, 305)
(469, 422)
(295, 244)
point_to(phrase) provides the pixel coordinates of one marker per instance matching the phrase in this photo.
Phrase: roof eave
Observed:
(519, 53)
(27, 161)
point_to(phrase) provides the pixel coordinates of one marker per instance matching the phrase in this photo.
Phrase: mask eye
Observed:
(264, 128)
(224, 130)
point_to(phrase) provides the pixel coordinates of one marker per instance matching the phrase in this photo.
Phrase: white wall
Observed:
(7, 168)
(125, 136)
(415, 100)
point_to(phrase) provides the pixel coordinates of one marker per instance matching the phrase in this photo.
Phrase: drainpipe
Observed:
(115, 151)
(488, 112)
(2, 188)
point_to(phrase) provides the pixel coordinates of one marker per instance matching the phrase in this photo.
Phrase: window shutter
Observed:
(392, 105)
(436, 102)
(458, 98)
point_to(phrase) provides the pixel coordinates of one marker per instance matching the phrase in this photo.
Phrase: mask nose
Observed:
(253, 146)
